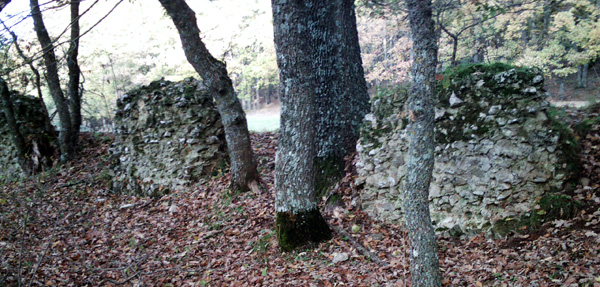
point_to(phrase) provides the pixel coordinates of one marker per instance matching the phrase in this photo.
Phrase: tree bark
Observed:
(424, 263)
(3, 4)
(67, 150)
(214, 75)
(13, 128)
(582, 76)
(74, 74)
(298, 218)
(342, 96)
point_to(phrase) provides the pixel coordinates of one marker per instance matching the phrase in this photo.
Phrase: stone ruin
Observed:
(41, 141)
(502, 161)
(168, 136)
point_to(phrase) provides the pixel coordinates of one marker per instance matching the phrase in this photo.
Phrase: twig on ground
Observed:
(22, 247)
(360, 247)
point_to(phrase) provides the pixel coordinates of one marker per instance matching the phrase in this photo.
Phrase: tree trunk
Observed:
(67, 150)
(74, 74)
(37, 77)
(298, 218)
(582, 75)
(424, 263)
(342, 96)
(214, 75)
(11, 122)
(3, 4)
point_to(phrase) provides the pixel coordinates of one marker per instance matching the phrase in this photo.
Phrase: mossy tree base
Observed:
(300, 229)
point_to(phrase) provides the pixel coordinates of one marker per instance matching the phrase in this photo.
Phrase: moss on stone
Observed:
(552, 206)
(385, 102)
(300, 229)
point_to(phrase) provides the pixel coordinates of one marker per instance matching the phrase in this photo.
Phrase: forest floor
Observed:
(66, 228)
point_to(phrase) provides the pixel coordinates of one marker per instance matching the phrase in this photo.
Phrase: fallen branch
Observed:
(360, 247)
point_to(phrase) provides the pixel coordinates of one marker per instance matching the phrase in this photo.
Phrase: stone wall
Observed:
(500, 151)
(40, 143)
(168, 135)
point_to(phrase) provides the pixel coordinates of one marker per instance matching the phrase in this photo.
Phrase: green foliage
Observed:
(264, 243)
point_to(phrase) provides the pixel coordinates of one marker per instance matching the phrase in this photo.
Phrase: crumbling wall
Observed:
(501, 152)
(40, 139)
(168, 135)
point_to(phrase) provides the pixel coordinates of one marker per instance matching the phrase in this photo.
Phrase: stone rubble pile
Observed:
(499, 151)
(40, 139)
(168, 136)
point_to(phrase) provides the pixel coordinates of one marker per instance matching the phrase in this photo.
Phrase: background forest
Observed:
(100, 217)
(130, 43)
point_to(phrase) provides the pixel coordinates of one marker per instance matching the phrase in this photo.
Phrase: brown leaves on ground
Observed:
(66, 228)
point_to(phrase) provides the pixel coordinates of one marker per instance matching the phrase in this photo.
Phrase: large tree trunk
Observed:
(424, 264)
(74, 74)
(298, 218)
(13, 128)
(342, 96)
(214, 75)
(67, 150)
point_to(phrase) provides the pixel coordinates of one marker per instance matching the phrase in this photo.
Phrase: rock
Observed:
(494, 109)
(340, 257)
(497, 152)
(41, 142)
(161, 146)
(455, 101)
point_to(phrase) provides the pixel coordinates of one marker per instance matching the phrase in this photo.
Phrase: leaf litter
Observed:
(66, 228)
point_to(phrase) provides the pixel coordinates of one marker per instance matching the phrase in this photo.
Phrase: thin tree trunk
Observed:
(74, 74)
(37, 77)
(582, 75)
(424, 263)
(298, 218)
(342, 96)
(67, 150)
(13, 128)
(214, 75)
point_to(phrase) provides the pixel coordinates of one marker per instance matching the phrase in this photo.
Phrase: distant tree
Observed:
(298, 219)
(342, 99)
(214, 74)
(67, 133)
(424, 263)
